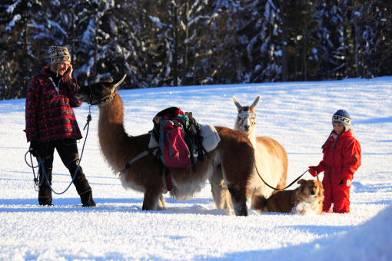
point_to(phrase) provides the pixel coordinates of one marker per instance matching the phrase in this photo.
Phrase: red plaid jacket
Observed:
(49, 113)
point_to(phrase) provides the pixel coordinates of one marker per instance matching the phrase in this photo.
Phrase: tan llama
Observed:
(271, 157)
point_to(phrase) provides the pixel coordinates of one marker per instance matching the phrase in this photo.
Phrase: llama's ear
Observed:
(301, 181)
(255, 103)
(116, 85)
(237, 104)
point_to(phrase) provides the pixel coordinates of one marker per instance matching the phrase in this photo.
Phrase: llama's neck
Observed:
(252, 136)
(114, 141)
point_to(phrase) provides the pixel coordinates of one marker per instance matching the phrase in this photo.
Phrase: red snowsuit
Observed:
(342, 157)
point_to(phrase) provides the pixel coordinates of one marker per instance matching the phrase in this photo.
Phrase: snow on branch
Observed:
(55, 25)
(11, 8)
(10, 26)
(88, 37)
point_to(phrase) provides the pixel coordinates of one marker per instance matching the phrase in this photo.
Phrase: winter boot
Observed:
(44, 190)
(45, 196)
(83, 189)
(87, 199)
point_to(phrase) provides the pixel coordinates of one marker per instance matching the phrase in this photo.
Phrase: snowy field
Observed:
(297, 114)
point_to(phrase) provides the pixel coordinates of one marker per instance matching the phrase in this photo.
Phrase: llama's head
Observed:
(246, 117)
(100, 92)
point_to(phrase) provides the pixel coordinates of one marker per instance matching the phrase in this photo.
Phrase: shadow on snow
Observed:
(129, 205)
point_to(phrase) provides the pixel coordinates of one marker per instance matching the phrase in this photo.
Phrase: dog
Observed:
(306, 199)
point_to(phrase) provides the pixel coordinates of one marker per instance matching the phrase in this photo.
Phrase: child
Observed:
(341, 158)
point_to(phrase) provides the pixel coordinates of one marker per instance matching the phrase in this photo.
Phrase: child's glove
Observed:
(314, 170)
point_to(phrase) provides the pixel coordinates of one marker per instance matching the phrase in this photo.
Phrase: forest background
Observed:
(196, 42)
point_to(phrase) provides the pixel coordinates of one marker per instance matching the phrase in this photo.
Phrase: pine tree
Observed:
(221, 58)
(265, 45)
(383, 57)
(300, 59)
(18, 56)
(180, 42)
(191, 24)
(371, 26)
(331, 33)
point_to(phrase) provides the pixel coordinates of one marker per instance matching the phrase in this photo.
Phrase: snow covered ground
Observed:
(297, 114)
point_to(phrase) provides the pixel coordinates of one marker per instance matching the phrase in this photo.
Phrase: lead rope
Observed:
(37, 182)
(268, 185)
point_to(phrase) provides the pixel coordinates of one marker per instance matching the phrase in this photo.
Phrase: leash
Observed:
(41, 163)
(151, 151)
(268, 185)
(138, 157)
(36, 182)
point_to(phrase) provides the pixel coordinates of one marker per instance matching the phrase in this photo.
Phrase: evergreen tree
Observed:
(18, 56)
(371, 22)
(222, 58)
(191, 21)
(300, 59)
(265, 45)
(383, 57)
(181, 42)
(333, 42)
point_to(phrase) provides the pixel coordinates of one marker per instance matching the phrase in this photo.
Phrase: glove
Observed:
(34, 148)
(314, 170)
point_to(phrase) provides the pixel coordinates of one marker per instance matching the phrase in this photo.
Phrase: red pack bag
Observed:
(174, 149)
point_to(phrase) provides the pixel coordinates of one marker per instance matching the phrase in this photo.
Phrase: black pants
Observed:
(68, 152)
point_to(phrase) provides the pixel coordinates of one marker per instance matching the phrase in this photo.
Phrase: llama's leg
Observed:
(237, 161)
(219, 190)
(151, 199)
(238, 197)
(237, 174)
(161, 202)
(237, 177)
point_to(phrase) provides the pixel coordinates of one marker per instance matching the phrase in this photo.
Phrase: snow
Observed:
(57, 27)
(89, 34)
(297, 114)
(156, 21)
(11, 8)
(10, 26)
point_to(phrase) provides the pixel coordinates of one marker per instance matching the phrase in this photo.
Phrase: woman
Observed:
(341, 159)
(51, 124)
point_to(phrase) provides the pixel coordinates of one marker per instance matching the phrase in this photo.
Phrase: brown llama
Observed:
(271, 157)
(146, 174)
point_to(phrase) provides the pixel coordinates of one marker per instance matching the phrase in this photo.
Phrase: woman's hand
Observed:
(68, 72)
